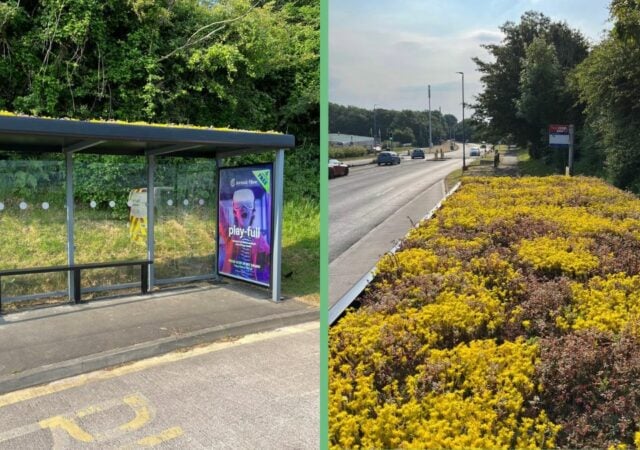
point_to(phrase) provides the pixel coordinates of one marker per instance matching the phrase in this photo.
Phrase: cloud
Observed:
(485, 36)
(393, 68)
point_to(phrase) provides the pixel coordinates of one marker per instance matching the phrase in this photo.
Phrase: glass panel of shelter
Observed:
(32, 227)
(185, 218)
(107, 223)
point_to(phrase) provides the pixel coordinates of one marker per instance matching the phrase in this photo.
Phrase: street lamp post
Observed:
(464, 162)
(374, 125)
(430, 141)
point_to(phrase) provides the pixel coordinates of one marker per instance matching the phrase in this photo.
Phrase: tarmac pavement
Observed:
(257, 392)
(39, 346)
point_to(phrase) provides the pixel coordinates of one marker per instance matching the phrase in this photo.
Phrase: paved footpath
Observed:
(260, 391)
(40, 346)
(508, 166)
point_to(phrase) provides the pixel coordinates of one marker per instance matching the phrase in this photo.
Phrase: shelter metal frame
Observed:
(34, 135)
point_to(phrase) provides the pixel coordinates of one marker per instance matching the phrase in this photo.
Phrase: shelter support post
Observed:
(278, 205)
(216, 272)
(70, 219)
(151, 168)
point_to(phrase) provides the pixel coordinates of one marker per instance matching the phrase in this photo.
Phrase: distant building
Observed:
(347, 140)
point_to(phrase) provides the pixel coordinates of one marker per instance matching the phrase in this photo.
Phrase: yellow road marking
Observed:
(68, 425)
(142, 413)
(164, 436)
(138, 366)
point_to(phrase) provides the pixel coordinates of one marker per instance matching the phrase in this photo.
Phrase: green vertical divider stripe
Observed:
(324, 225)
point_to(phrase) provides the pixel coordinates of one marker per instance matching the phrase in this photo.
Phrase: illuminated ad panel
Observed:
(245, 223)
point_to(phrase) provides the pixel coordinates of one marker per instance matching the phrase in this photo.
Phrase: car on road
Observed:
(337, 168)
(417, 153)
(475, 151)
(390, 158)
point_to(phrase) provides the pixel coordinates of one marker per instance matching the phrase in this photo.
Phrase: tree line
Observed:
(545, 72)
(242, 64)
(404, 126)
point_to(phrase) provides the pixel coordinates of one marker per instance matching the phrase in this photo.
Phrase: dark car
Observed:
(388, 158)
(417, 153)
(337, 169)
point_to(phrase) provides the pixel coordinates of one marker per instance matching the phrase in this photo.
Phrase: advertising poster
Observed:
(244, 223)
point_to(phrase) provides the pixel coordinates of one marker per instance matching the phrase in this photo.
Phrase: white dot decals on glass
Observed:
(201, 202)
(170, 202)
(1, 206)
(93, 203)
(45, 205)
(112, 204)
(23, 206)
(185, 202)
(129, 203)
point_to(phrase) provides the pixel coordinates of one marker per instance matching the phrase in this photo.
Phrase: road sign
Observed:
(559, 136)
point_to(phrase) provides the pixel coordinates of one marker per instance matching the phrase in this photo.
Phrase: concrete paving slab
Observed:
(259, 391)
(43, 345)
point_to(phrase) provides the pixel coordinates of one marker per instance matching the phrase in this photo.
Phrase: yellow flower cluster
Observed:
(471, 396)
(412, 261)
(438, 370)
(608, 303)
(568, 256)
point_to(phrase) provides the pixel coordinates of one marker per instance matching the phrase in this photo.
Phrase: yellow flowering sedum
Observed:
(607, 304)
(436, 358)
(569, 256)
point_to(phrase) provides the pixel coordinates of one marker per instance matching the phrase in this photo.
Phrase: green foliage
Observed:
(223, 63)
(360, 121)
(608, 85)
(404, 135)
(347, 152)
(496, 106)
(541, 73)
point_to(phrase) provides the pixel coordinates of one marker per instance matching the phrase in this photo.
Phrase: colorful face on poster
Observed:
(244, 223)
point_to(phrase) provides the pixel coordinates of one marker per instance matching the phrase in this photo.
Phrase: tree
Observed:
(403, 135)
(359, 121)
(608, 85)
(541, 100)
(496, 105)
(225, 63)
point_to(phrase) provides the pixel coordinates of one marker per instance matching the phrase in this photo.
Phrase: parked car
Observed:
(417, 153)
(475, 151)
(388, 158)
(337, 169)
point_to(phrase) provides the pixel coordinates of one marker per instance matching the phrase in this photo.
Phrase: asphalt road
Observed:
(372, 205)
(369, 194)
(258, 392)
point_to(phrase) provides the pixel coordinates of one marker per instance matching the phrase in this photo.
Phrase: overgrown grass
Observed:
(347, 152)
(301, 252)
(185, 245)
(533, 167)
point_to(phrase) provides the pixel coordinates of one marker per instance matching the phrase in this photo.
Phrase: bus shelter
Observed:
(78, 198)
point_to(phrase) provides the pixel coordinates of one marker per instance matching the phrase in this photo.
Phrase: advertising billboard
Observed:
(245, 223)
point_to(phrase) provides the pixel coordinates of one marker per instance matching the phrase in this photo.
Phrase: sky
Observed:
(386, 52)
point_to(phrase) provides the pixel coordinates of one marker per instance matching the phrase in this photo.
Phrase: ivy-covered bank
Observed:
(509, 320)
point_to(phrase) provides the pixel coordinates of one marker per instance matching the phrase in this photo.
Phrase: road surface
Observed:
(373, 207)
(260, 391)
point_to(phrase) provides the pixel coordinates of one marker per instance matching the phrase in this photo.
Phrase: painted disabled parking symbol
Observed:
(70, 428)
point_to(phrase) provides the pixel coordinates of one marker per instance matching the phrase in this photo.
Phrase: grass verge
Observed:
(533, 167)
